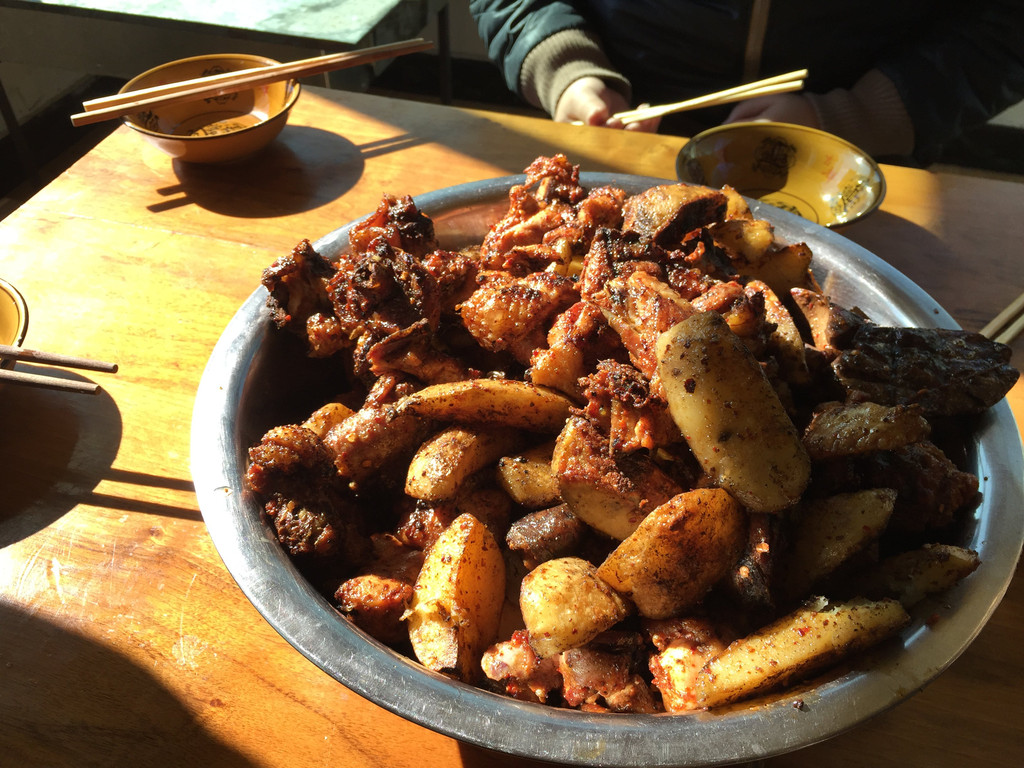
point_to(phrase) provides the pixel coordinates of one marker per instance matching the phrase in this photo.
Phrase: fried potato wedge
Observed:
(747, 242)
(565, 605)
(730, 415)
(324, 418)
(832, 530)
(848, 429)
(914, 575)
(444, 461)
(528, 479)
(678, 552)
(786, 268)
(506, 402)
(457, 599)
(797, 646)
(611, 497)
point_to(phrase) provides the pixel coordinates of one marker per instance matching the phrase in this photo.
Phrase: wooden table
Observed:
(123, 640)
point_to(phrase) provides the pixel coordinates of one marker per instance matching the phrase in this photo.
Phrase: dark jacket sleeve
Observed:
(512, 28)
(961, 72)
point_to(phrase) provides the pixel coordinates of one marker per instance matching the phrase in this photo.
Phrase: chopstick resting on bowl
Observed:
(786, 83)
(122, 104)
(8, 352)
(1008, 324)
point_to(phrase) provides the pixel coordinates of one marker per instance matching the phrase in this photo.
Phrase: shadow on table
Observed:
(303, 170)
(69, 701)
(55, 448)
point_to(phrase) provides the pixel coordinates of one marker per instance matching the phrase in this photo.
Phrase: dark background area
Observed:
(48, 143)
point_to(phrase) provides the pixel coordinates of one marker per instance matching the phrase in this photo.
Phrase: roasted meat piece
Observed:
(376, 598)
(519, 672)
(578, 338)
(930, 489)
(683, 647)
(666, 213)
(546, 534)
(512, 314)
(292, 471)
(299, 301)
(831, 326)
(606, 675)
(946, 372)
(398, 222)
(620, 399)
(544, 202)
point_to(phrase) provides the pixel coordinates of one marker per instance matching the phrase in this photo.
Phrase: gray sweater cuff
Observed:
(871, 115)
(559, 60)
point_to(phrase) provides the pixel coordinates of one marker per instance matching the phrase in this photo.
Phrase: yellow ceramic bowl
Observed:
(220, 129)
(809, 172)
(13, 318)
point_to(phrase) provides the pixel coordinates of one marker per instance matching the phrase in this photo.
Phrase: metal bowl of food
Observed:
(257, 379)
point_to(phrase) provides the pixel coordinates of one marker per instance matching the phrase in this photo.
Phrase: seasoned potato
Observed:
(848, 429)
(327, 416)
(457, 599)
(729, 414)
(504, 402)
(797, 646)
(786, 268)
(565, 605)
(678, 552)
(528, 479)
(914, 575)
(832, 530)
(445, 460)
(610, 498)
(746, 241)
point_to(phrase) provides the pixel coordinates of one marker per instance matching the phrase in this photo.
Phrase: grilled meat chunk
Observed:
(946, 372)
(512, 314)
(546, 534)
(666, 213)
(398, 222)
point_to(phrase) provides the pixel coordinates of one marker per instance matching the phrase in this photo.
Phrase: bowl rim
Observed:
(263, 60)
(22, 306)
(686, 152)
(754, 730)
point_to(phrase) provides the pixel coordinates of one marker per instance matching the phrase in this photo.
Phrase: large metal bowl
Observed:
(255, 379)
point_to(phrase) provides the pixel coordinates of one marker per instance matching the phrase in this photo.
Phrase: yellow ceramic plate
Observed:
(821, 177)
(13, 315)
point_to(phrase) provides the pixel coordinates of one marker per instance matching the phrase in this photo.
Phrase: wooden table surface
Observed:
(123, 639)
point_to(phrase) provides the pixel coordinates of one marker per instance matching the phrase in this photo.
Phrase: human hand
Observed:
(780, 108)
(591, 102)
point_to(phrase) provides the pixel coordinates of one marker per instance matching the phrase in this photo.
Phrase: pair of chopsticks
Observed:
(49, 358)
(122, 104)
(1008, 324)
(791, 81)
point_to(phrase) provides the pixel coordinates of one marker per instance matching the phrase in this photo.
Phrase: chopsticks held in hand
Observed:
(1008, 324)
(791, 81)
(49, 358)
(121, 104)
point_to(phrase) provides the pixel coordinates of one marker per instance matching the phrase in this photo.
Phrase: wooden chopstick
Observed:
(785, 83)
(119, 105)
(49, 382)
(1010, 321)
(50, 358)
(8, 352)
